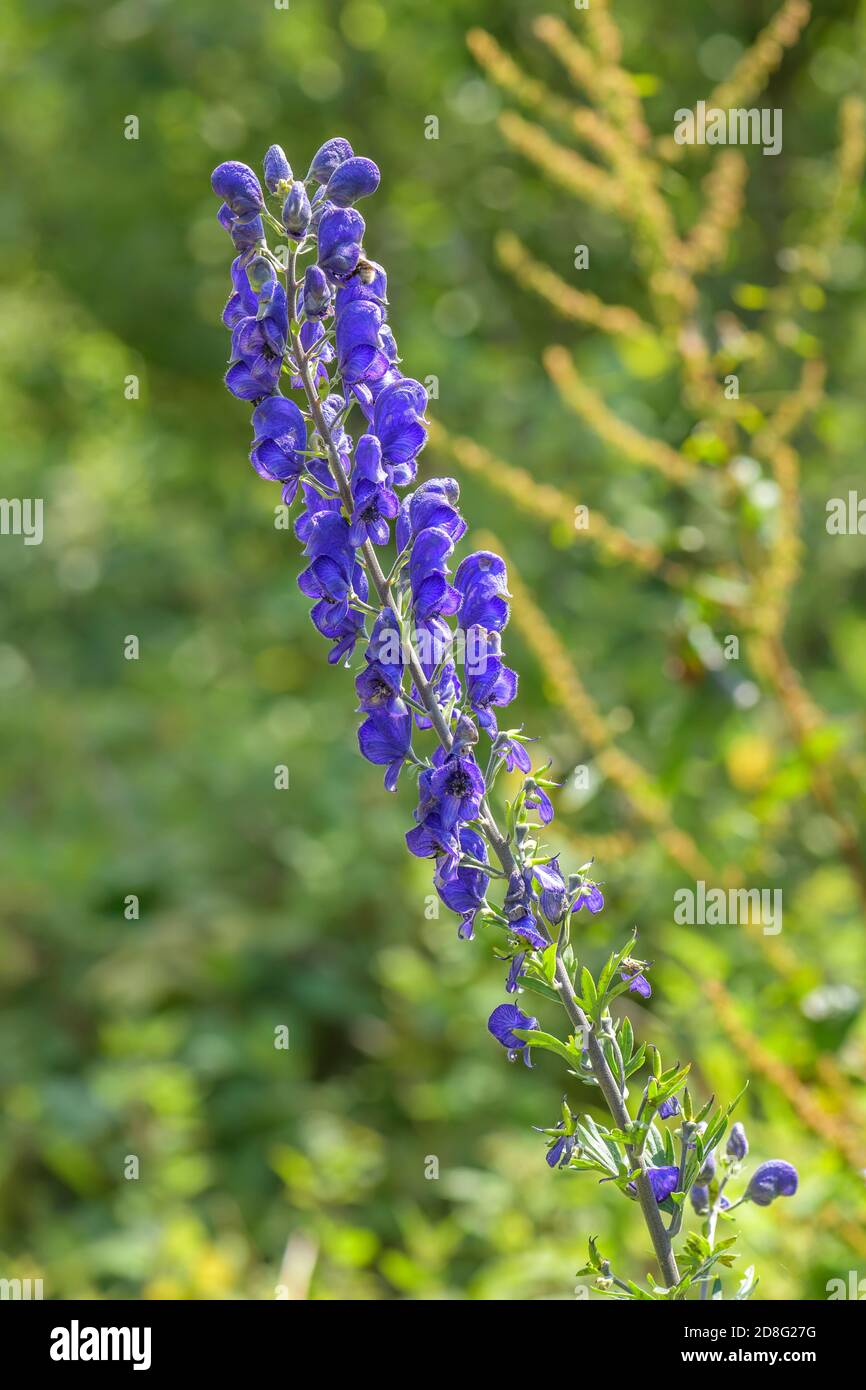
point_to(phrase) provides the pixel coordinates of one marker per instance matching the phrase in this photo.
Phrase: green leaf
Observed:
(588, 990)
(534, 986)
(535, 1038)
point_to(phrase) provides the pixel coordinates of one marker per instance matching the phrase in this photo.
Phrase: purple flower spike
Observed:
(770, 1180)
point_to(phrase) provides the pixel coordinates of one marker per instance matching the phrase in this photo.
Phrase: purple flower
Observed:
(525, 927)
(663, 1182)
(433, 640)
(512, 751)
(482, 580)
(554, 898)
(385, 738)
(377, 690)
(280, 437)
(277, 169)
(517, 906)
(258, 344)
(359, 342)
(314, 503)
(433, 504)
(352, 179)
(457, 788)
(770, 1180)
(537, 800)
(245, 233)
(340, 233)
(464, 890)
(700, 1199)
(242, 302)
(431, 839)
(738, 1145)
(501, 1022)
(263, 278)
(589, 896)
(385, 646)
(398, 420)
(431, 593)
(560, 1151)
(331, 578)
(669, 1108)
(489, 682)
(238, 186)
(329, 157)
(297, 213)
(630, 972)
(316, 294)
(515, 971)
(369, 282)
(375, 506)
(708, 1171)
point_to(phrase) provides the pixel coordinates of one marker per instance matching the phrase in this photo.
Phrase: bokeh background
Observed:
(155, 1037)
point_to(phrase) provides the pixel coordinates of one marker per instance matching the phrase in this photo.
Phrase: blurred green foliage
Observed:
(155, 1037)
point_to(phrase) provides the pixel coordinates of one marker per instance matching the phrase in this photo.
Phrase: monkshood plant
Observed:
(310, 345)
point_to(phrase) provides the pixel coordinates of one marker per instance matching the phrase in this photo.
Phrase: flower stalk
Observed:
(326, 332)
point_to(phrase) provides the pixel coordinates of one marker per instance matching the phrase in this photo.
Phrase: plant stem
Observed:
(602, 1072)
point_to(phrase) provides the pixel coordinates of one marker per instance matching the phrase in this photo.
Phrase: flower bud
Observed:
(354, 179)
(669, 1108)
(738, 1145)
(296, 212)
(770, 1180)
(708, 1172)
(317, 295)
(238, 186)
(329, 157)
(262, 276)
(277, 169)
(700, 1199)
(465, 735)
